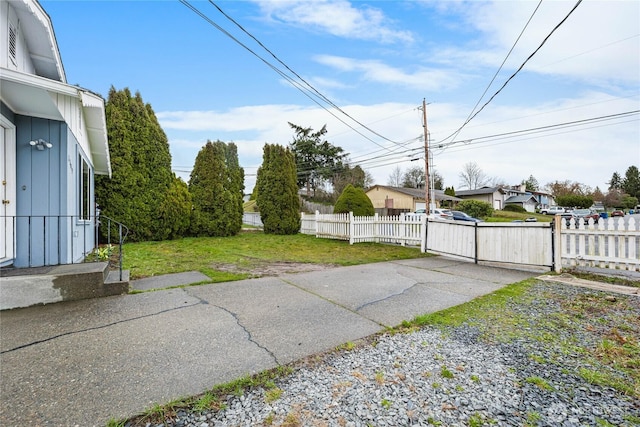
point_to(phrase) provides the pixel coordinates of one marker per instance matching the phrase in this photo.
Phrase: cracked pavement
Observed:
(84, 362)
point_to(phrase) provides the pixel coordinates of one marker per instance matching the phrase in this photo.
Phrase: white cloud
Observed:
(587, 155)
(599, 43)
(376, 71)
(337, 17)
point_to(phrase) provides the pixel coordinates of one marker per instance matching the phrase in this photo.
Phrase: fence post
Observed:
(376, 228)
(315, 221)
(475, 243)
(423, 236)
(351, 227)
(556, 229)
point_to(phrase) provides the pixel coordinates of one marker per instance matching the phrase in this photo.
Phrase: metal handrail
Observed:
(35, 247)
(121, 238)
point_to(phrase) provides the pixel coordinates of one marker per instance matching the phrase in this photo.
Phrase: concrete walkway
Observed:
(84, 362)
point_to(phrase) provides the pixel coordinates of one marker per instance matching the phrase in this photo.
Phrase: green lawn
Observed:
(507, 216)
(209, 254)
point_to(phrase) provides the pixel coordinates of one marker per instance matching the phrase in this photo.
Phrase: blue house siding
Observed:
(7, 112)
(48, 229)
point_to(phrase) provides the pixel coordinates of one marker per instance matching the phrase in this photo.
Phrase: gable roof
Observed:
(483, 190)
(523, 198)
(36, 95)
(40, 39)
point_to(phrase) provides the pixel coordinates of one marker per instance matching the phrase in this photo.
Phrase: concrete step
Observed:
(113, 285)
(59, 283)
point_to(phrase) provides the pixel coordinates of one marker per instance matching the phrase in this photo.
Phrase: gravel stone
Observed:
(401, 379)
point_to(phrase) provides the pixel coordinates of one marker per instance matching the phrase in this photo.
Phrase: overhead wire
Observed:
(307, 92)
(526, 25)
(274, 68)
(544, 41)
(322, 96)
(495, 139)
(486, 143)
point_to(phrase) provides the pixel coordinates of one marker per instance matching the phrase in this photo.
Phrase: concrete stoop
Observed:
(27, 287)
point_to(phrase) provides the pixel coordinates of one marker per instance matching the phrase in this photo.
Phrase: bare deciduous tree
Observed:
(395, 179)
(472, 177)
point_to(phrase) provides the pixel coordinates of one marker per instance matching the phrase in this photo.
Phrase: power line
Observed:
(505, 137)
(498, 70)
(510, 139)
(544, 128)
(323, 97)
(308, 93)
(517, 71)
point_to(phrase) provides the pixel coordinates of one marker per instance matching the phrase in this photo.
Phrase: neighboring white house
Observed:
(499, 197)
(493, 195)
(53, 139)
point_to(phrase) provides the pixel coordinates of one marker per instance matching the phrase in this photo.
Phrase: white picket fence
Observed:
(612, 243)
(397, 229)
(615, 245)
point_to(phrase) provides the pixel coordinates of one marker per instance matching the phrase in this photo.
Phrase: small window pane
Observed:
(84, 190)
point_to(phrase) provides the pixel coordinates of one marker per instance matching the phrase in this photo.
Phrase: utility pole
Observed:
(426, 156)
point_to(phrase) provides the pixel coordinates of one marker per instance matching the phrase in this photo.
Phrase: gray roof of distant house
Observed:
(483, 190)
(521, 198)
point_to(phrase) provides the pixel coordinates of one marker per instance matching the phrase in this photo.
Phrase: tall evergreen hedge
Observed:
(277, 191)
(141, 170)
(216, 187)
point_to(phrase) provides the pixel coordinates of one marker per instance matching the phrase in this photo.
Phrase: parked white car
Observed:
(553, 210)
(436, 213)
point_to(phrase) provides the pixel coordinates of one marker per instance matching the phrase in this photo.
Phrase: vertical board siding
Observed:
(451, 238)
(515, 243)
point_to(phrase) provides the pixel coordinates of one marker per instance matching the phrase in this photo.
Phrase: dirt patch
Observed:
(278, 268)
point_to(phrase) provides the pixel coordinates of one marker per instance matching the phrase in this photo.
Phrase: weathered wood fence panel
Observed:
(515, 243)
(451, 238)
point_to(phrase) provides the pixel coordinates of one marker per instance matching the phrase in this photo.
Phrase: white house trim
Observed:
(36, 96)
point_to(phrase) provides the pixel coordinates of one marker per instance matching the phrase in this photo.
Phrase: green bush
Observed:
(575, 201)
(514, 208)
(174, 213)
(141, 168)
(475, 208)
(277, 191)
(354, 200)
(215, 191)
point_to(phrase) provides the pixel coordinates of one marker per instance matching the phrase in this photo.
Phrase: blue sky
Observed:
(376, 60)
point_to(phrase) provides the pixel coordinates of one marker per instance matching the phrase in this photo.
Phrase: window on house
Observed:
(84, 189)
